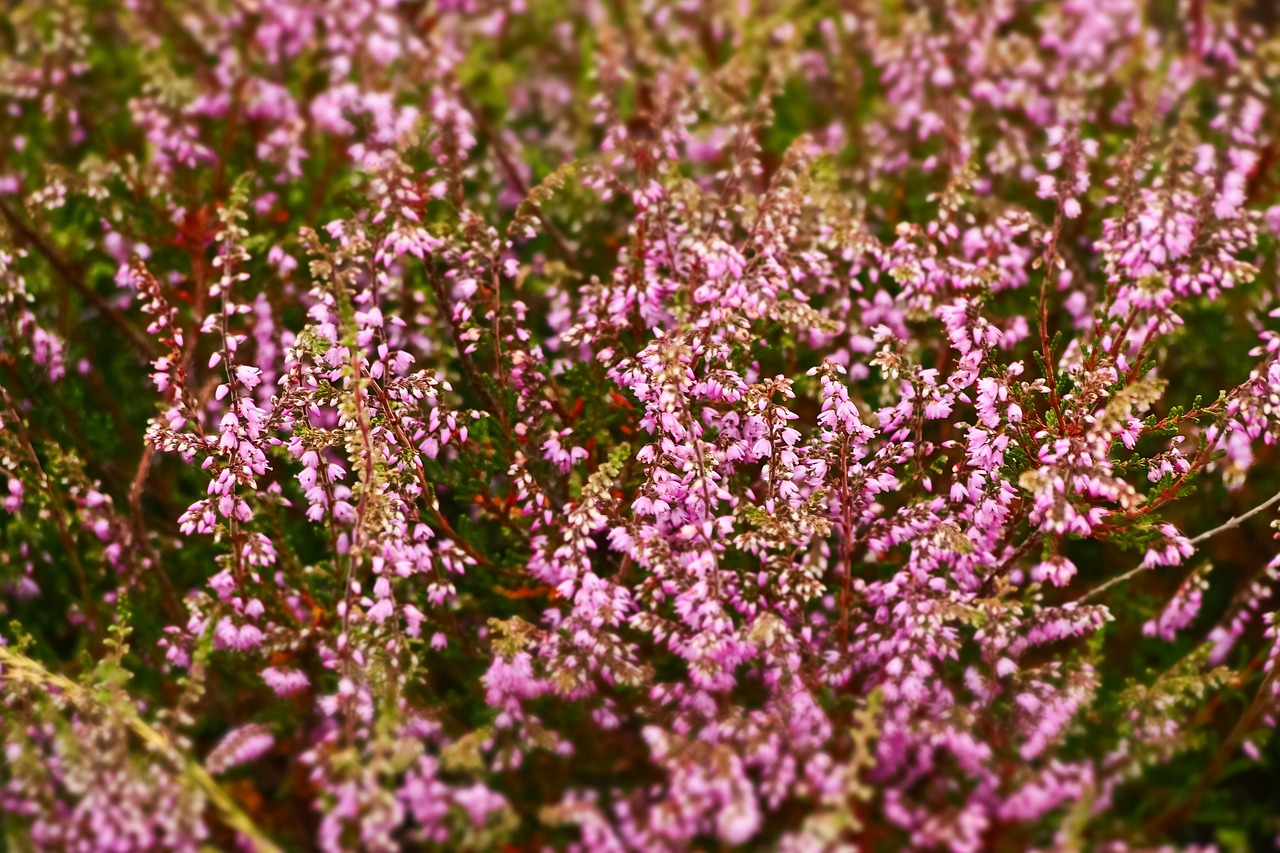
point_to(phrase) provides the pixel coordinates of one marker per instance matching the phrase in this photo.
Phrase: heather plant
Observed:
(594, 425)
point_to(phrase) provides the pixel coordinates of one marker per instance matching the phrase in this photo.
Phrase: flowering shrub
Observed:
(638, 426)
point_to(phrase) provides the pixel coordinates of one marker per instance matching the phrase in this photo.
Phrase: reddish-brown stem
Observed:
(71, 278)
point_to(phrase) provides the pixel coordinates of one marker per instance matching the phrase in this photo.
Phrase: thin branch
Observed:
(469, 371)
(512, 175)
(20, 668)
(472, 375)
(55, 507)
(1238, 520)
(67, 273)
(1022, 550)
(1161, 824)
(138, 529)
(1203, 537)
(1096, 591)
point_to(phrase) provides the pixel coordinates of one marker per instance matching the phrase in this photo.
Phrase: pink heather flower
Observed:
(1182, 609)
(1056, 570)
(1171, 550)
(242, 638)
(285, 682)
(562, 457)
(239, 746)
(14, 499)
